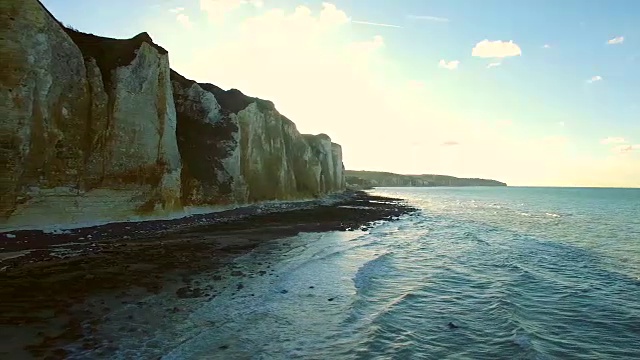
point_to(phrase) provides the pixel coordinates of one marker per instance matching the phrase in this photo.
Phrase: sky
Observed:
(533, 93)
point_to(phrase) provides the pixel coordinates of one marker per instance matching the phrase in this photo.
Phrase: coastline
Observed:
(49, 291)
(29, 238)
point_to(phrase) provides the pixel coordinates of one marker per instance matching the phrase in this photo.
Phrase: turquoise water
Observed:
(525, 273)
(522, 273)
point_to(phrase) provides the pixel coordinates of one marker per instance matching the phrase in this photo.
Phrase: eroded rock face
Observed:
(88, 126)
(208, 139)
(38, 93)
(339, 180)
(241, 149)
(330, 157)
(98, 130)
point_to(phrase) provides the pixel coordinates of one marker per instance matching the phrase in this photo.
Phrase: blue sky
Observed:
(562, 111)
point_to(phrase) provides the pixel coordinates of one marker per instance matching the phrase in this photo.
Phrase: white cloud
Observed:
(546, 46)
(374, 24)
(330, 14)
(613, 140)
(184, 21)
(616, 40)
(496, 49)
(217, 10)
(594, 79)
(363, 49)
(294, 57)
(493, 64)
(626, 148)
(561, 123)
(449, 65)
(428, 17)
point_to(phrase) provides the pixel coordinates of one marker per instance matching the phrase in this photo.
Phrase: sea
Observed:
(475, 273)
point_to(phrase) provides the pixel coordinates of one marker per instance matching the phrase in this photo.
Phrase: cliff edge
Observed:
(100, 130)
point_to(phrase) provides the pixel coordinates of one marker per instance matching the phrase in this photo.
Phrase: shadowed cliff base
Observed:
(59, 289)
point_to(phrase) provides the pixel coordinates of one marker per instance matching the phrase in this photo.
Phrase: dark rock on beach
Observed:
(44, 285)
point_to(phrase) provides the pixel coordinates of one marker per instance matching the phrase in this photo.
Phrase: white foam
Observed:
(369, 270)
(356, 207)
(12, 255)
(56, 231)
(245, 320)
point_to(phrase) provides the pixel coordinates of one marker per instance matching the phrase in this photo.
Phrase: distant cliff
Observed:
(96, 129)
(364, 179)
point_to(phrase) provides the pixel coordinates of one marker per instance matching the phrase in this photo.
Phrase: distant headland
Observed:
(369, 179)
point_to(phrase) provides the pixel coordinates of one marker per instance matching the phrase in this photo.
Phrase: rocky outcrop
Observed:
(88, 123)
(207, 139)
(331, 176)
(250, 151)
(96, 130)
(369, 179)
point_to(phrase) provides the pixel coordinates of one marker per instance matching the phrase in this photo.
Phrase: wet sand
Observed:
(57, 288)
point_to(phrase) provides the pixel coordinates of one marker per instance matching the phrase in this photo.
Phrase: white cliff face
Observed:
(339, 183)
(208, 142)
(330, 157)
(99, 130)
(264, 155)
(260, 153)
(142, 129)
(77, 152)
(142, 90)
(280, 163)
(41, 88)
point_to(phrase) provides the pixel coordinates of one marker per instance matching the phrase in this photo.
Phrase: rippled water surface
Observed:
(520, 273)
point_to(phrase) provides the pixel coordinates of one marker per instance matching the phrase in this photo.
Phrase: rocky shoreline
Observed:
(52, 282)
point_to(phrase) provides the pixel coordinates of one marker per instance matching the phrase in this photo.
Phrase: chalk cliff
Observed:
(239, 149)
(96, 129)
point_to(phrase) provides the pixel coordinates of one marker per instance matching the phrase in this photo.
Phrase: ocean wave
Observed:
(363, 277)
(536, 292)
